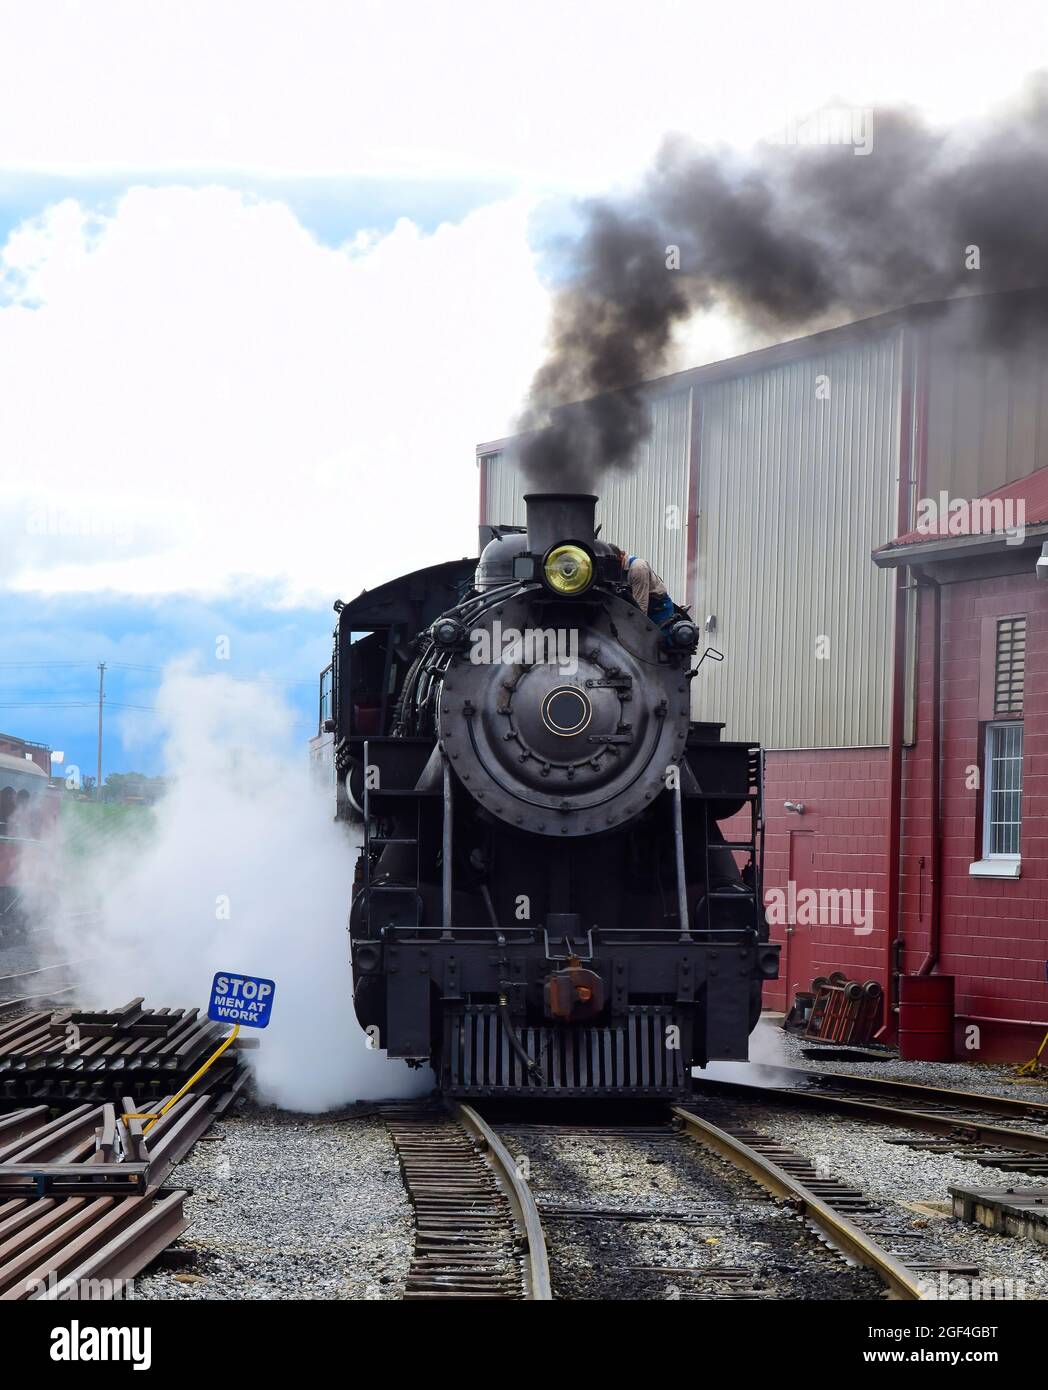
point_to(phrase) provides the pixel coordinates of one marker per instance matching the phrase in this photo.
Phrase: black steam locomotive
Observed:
(544, 901)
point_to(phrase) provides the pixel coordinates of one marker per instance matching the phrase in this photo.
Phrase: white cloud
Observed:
(194, 390)
(573, 94)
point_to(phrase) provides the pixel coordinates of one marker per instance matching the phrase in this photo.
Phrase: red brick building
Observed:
(16, 747)
(972, 871)
(973, 894)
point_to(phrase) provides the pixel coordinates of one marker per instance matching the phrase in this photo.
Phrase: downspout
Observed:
(931, 960)
(893, 950)
(893, 847)
(912, 423)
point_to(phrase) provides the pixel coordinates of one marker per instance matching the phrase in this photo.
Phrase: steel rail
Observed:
(1020, 1108)
(960, 1126)
(33, 981)
(43, 969)
(841, 1232)
(537, 1285)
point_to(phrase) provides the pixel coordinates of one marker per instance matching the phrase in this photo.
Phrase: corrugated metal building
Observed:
(765, 484)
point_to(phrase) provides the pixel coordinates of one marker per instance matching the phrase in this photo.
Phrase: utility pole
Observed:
(101, 697)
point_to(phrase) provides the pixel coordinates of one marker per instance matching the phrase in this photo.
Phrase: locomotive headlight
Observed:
(568, 569)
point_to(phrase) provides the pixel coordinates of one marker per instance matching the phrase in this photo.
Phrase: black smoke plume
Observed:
(793, 237)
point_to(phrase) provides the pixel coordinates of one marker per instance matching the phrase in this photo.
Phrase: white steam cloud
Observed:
(244, 870)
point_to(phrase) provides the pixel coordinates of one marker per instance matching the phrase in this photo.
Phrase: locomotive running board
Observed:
(633, 1056)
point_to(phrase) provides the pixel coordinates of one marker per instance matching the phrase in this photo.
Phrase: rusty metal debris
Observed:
(80, 1201)
(82, 1208)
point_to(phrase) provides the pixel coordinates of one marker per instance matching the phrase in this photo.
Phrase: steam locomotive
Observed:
(545, 901)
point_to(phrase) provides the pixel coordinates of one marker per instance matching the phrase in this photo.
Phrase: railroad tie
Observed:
(466, 1243)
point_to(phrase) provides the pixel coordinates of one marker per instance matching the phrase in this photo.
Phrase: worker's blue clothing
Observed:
(660, 607)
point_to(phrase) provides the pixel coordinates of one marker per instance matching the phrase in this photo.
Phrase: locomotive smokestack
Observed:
(554, 517)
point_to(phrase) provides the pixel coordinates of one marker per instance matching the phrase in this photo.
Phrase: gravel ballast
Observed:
(704, 1219)
(902, 1178)
(770, 1044)
(289, 1206)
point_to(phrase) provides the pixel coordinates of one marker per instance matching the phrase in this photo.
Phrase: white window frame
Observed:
(989, 855)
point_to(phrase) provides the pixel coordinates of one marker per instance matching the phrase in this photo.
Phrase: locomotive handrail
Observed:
(408, 935)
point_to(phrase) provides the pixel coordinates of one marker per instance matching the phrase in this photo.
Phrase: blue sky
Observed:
(333, 209)
(51, 648)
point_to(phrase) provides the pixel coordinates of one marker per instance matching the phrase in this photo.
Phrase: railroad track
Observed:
(45, 982)
(876, 1234)
(477, 1230)
(919, 1096)
(632, 1211)
(958, 1122)
(850, 1221)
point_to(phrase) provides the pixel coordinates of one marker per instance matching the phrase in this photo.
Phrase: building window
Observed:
(1009, 667)
(1002, 809)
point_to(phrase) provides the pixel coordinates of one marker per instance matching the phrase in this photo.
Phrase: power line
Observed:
(47, 704)
(156, 670)
(275, 680)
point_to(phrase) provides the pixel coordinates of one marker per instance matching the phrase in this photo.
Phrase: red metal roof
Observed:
(1024, 502)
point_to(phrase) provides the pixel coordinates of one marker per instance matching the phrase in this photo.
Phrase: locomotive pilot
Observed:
(648, 590)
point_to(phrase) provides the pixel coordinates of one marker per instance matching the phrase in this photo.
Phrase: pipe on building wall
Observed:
(913, 416)
(931, 960)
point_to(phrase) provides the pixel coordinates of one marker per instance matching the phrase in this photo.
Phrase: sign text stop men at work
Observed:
(241, 999)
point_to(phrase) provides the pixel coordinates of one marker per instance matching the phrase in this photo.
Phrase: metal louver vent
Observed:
(1010, 666)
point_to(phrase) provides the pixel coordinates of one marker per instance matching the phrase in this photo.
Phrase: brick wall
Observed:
(995, 932)
(994, 936)
(845, 796)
